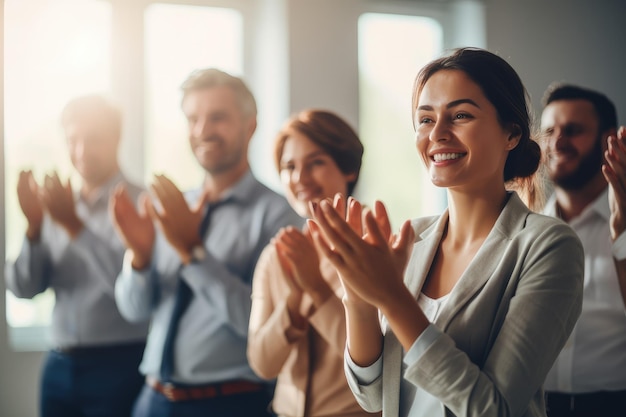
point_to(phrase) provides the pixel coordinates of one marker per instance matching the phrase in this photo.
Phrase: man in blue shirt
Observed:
(203, 369)
(72, 248)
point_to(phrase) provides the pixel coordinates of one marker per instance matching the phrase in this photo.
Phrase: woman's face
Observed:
(458, 134)
(308, 173)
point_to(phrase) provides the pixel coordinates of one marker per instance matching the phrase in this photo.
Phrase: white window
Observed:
(392, 48)
(57, 50)
(53, 51)
(205, 37)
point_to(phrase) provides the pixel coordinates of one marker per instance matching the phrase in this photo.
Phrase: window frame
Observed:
(126, 72)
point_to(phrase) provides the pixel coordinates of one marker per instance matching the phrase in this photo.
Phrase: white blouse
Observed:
(409, 393)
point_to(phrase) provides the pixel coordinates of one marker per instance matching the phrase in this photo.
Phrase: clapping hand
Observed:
(614, 171)
(58, 200)
(134, 227)
(179, 223)
(299, 252)
(28, 197)
(369, 259)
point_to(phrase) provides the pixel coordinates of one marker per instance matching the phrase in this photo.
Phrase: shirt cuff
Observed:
(422, 343)
(364, 375)
(127, 264)
(619, 247)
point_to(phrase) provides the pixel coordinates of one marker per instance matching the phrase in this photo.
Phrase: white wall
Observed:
(574, 40)
(578, 41)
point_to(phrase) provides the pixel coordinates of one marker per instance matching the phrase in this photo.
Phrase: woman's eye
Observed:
(460, 116)
(424, 120)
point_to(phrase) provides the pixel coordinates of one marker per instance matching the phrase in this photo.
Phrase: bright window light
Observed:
(392, 48)
(53, 51)
(205, 37)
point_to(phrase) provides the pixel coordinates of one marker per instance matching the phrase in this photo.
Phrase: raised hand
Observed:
(299, 253)
(58, 199)
(179, 223)
(134, 227)
(28, 197)
(400, 244)
(353, 218)
(371, 263)
(614, 171)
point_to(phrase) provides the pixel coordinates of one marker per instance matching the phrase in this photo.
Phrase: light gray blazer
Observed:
(504, 322)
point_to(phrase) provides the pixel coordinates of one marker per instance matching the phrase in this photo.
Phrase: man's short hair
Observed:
(211, 77)
(603, 106)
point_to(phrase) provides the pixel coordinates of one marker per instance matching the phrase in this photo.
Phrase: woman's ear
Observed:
(514, 136)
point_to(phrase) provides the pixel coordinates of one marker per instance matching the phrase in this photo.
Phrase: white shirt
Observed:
(413, 395)
(594, 358)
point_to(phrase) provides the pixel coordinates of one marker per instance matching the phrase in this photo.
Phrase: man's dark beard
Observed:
(589, 166)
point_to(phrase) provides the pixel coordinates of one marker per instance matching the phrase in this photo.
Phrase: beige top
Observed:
(309, 371)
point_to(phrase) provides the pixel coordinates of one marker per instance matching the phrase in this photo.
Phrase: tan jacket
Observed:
(311, 381)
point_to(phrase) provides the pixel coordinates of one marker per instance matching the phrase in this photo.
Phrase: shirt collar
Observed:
(102, 193)
(599, 206)
(241, 191)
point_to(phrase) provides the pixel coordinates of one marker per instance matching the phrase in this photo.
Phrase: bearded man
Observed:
(585, 155)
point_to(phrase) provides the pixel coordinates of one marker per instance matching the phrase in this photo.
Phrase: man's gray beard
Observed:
(589, 167)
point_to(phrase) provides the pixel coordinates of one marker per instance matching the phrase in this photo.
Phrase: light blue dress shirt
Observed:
(82, 274)
(212, 334)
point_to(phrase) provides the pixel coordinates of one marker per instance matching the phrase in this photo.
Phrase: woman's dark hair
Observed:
(504, 89)
(331, 133)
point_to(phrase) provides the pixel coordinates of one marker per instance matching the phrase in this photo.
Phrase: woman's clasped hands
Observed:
(370, 259)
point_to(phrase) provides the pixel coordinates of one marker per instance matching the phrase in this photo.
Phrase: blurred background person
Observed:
(297, 324)
(193, 279)
(586, 163)
(71, 247)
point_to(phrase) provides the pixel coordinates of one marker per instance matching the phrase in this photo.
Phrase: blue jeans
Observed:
(92, 382)
(153, 404)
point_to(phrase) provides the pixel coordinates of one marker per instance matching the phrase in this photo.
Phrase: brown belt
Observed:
(198, 392)
(100, 349)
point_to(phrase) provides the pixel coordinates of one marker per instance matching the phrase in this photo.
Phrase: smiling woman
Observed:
(467, 297)
(297, 327)
(471, 118)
